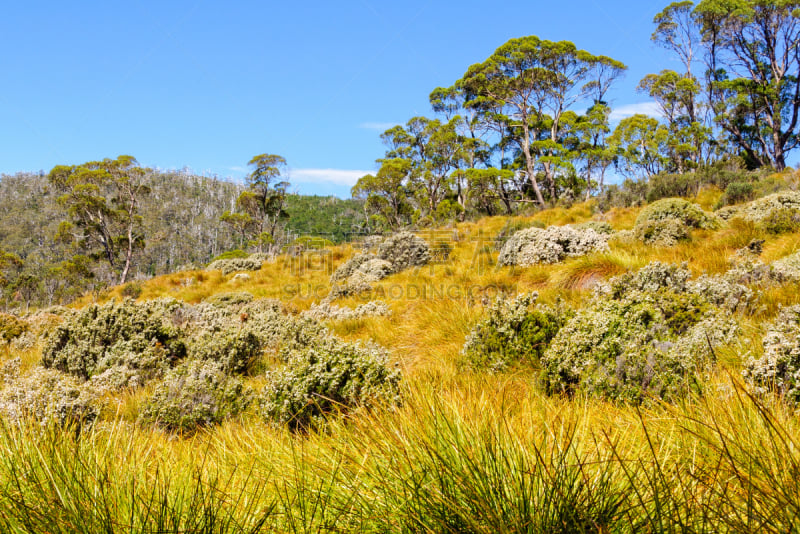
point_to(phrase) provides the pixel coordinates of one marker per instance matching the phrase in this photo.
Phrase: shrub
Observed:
(643, 335)
(511, 228)
(137, 337)
(11, 327)
(47, 396)
(193, 395)
(235, 349)
(601, 227)
(236, 264)
(724, 291)
(231, 255)
(326, 310)
(789, 266)
(404, 250)
(512, 333)
(663, 233)
(132, 290)
(781, 221)
(689, 214)
(778, 369)
(371, 267)
(762, 208)
(551, 245)
(235, 299)
(671, 185)
(735, 193)
(326, 377)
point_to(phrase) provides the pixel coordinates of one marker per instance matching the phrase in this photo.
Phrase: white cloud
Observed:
(629, 110)
(326, 176)
(380, 126)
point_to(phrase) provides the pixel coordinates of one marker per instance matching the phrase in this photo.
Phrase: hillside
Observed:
(181, 228)
(432, 434)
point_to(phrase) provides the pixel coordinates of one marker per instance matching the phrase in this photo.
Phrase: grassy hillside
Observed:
(466, 450)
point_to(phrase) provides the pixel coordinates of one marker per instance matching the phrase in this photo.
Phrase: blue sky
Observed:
(207, 85)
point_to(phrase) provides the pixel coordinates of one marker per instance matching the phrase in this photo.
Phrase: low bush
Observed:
(667, 221)
(736, 193)
(778, 370)
(11, 327)
(550, 245)
(672, 185)
(326, 377)
(235, 349)
(194, 395)
(788, 266)
(643, 335)
(47, 396)
(662, 233)
(601, 227)
(778, 203)
(326, 310)
(231, 255)
(513, 332)
(136, 342)
(511, 228)
(404, 250)
(230, 300)
(233, 265)
(781, 221)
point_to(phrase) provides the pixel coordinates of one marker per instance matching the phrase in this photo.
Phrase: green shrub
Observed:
(511, 228)
(235, 350)
(672, 185)
(763, 208)
(512, 333)
(371, 267)
(778, 369)
(230, 300)
(601, 227)
(11, 327)
(643, 335)
(550, 245)
(662, 233)
(667, 221)
(193, 395)
(137, 337)
(231, 255)
(736, 193)
(684, 211)
(788, 267)
(781, 221)
(236, 264)
(132, 290)
(326, 310)
(404, 250)
(325, 377)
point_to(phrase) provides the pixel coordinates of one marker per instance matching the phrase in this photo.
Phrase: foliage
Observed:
(512, 333)
(330, 217)
(194, 395)
(550, 245)
(736, 193)
(133, 342)
(47, 396)
(781, 221)
(235, 350)
(404, 250)
(231, 255)
(236, 264)
(643, 335)
(778, 369)
(11, 327)
(326, 310)
(329, 376)
(667, 221)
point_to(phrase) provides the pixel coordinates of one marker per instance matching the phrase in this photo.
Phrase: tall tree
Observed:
(534, 82)
(753, 54)
(111, 228)
(387, 193)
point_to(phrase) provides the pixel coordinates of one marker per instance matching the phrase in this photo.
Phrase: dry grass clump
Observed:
(533, 246)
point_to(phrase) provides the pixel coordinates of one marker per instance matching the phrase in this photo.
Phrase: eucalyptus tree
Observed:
(753, 55)
(641, 144)
(386, 193)
(109, 228)
(531, 83)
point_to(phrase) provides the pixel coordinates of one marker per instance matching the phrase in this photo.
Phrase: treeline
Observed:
(51, 248)
(531, 123)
